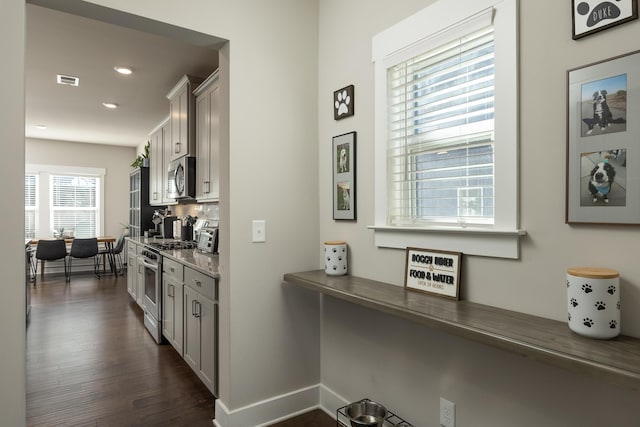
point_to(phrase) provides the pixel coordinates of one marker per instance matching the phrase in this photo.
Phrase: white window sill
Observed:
(489, 242)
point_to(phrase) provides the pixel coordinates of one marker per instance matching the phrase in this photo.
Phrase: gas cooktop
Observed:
(173, 244)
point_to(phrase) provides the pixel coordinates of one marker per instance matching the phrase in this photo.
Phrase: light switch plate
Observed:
(259, 231)
(447, 413)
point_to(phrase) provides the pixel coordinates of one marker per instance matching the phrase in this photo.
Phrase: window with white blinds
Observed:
(446, 129)
(74, 204)
(30, 205)
(441, 126)
(61, 199)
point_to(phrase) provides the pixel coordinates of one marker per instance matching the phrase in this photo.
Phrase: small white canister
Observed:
(593, 297)
(335, 258)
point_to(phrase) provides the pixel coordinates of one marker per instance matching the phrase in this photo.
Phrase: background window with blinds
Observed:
(74, 204)
(441, 123)
(30, 205)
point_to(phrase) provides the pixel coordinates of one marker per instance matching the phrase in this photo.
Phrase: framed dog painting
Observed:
(603, 144)
(591, 16)
(344, 176)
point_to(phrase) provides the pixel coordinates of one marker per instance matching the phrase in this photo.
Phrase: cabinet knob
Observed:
(198, 283)
(177, 149)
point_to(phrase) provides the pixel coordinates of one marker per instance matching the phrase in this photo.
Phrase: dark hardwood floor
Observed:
(91, 362)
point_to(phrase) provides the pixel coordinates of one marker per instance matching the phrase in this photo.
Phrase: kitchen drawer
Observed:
(206, 285)
(132, 248)
(173, 269)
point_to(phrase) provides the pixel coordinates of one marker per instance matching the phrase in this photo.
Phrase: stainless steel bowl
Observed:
(366, 413)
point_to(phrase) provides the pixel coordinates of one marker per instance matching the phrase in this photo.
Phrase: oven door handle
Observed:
(153, 267)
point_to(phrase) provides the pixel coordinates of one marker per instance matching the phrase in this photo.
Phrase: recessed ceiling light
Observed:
(124, 70)
(41, 127)
(110, 105)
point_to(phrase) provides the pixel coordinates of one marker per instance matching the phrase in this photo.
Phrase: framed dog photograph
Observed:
(591, 16)
(603, 147)
(344, 176)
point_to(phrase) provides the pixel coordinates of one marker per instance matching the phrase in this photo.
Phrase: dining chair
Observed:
(84, 248)
(114, 255)
(51, 250)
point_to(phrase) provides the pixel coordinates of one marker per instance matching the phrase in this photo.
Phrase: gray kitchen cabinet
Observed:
(166, 155)
(201, 326)
(157, 165)
(182, 117)
(208, 139)
(132, 269)
(172, 303)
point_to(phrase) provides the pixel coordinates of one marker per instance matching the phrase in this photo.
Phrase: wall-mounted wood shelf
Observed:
(616, 360)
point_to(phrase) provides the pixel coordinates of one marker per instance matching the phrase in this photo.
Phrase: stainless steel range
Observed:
(152, 300)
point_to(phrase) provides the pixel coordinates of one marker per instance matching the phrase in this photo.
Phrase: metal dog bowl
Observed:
(366, 413)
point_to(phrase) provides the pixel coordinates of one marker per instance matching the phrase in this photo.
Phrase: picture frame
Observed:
(343, 153)
(592, 16)
(603, 152)
(343, 102)
(433, 272)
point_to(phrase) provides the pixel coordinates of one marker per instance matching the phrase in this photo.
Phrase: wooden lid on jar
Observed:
(593, 273)
(335, 242)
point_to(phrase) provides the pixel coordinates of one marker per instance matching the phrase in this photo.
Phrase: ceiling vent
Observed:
(68, 80)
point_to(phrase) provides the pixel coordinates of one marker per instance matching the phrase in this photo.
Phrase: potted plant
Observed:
(143, 158)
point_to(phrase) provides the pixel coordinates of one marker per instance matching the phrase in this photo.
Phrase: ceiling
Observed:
(63, 43)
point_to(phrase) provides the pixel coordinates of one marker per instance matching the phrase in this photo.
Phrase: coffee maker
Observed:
(166, 227)
(164, 224)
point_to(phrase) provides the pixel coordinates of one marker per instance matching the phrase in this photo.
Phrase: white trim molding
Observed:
(269, 411)
(487, 242)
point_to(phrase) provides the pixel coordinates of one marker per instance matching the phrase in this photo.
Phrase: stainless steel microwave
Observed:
(181, 179)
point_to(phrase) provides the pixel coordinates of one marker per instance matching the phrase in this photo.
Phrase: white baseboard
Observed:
(330, 401)
(269, 411)
(280, 408)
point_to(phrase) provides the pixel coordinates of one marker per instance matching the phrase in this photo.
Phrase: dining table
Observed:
(108, 242)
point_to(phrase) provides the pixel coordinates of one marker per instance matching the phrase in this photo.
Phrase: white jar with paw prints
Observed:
(593, 301)
(335, 258)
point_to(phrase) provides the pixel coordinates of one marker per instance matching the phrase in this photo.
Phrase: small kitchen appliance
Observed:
(166, 227)
(208, 240)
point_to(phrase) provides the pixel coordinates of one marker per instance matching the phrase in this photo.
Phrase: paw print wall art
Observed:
(343, 102)
(591, 16)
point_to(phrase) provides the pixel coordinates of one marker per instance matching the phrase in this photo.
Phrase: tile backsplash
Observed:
(202, 210)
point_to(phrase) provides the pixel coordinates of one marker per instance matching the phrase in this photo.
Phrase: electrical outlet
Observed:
(447, 413)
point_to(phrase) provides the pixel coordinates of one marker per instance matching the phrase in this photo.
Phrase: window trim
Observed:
(502, 238)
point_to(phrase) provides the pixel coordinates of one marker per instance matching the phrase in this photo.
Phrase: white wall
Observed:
(116, 160)
(415, 366)
(12, 311)
(269, 333)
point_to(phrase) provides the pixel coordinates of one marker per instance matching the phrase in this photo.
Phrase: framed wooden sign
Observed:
(591, 16)
(433, 272)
